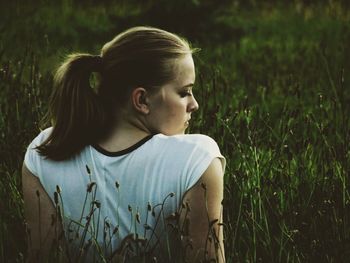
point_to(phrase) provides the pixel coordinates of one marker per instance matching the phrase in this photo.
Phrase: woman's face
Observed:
(171, 107)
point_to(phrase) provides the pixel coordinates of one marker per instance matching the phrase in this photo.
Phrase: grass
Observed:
(274, 92)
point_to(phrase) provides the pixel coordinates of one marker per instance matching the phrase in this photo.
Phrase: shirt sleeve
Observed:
(32, 158)
(203, 153)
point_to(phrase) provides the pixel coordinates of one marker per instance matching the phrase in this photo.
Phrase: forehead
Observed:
(184, 70)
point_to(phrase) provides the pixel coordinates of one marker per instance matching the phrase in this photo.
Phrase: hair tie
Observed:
(97, 63)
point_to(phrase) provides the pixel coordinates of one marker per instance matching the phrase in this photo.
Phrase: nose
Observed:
(193, 105)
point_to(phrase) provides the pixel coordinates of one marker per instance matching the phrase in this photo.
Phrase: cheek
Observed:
(176, 109)
(171, 106)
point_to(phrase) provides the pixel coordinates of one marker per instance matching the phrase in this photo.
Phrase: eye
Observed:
(185, 93)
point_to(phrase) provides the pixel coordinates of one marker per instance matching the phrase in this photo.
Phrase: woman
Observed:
(115, 174)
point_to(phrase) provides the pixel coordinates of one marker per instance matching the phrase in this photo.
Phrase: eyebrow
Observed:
(188, 85)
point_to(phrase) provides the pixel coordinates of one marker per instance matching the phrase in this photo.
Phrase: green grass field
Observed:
(274, 91)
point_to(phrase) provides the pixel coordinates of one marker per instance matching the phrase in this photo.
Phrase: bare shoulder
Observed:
(209, 184)
(39, 212)
(37, 203)
(204, 217)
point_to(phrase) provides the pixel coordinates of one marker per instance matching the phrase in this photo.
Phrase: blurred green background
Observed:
(274, 91)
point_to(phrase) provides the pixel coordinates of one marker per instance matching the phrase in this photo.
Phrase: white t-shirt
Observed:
(145, 173)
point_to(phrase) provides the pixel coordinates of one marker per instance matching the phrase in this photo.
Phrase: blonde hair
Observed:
(139, 56)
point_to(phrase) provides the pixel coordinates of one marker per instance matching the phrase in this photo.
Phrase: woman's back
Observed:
(132, 191)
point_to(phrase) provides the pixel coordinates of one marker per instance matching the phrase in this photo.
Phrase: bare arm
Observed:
(40, 215)
(203, 213)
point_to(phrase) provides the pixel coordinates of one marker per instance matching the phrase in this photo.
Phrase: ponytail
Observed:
(76, 112)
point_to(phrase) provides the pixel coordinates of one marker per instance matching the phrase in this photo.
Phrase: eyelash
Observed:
(185, 93)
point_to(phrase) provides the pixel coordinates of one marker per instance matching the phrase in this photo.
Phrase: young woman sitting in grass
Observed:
(115, 177)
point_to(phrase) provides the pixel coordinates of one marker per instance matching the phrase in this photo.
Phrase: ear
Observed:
(139, 100)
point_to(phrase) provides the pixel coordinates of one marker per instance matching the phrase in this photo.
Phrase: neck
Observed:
(125, 133)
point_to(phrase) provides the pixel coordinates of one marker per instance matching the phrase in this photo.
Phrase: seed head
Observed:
(149, 207)
(115, 230)
(138, 217)
(129, 208)
(97, 203)
(55, 195)
(117, 184)
(90, 186)
(58, 189)
(88, 169)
